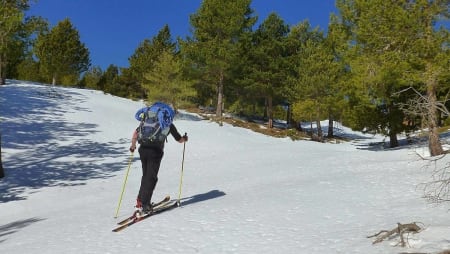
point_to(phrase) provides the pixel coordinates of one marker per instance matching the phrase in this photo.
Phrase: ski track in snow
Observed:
(242, 192)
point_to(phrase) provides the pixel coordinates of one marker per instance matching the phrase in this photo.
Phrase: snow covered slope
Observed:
(65, 152)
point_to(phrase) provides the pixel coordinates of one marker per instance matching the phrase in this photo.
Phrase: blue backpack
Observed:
(155, 123)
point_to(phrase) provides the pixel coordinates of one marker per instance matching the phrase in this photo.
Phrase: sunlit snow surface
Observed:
(65, 152)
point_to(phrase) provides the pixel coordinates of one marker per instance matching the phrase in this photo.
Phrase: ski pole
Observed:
(124, 183)
(182, 169)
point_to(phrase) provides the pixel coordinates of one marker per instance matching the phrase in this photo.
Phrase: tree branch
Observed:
(398, 231)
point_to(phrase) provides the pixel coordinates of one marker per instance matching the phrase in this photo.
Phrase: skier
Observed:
(150, 155)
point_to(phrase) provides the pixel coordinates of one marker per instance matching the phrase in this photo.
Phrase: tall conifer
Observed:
(217, 27)
(61, 53)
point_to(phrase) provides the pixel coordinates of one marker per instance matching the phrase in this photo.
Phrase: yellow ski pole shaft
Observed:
(124, 183)
(181, 177)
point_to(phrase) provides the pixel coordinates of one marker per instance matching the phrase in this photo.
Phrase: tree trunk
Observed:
(2, 76)
(288, 116)
(270, 112)
(319, 131)
(265, 108)
(2, 172)
(319, 126)
(220, 98)
(434, 144)
(330, 127)
(393, 141)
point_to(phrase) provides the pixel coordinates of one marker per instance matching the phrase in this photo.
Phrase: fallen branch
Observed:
(399, 230)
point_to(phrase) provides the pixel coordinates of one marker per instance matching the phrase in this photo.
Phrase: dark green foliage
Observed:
(148, 52)
(61, 53)
(107, 81)
(91, 78)
(265, 70)
(217, 29)
(16, 36)
(166, 83)
(393, 46)
(361, 71)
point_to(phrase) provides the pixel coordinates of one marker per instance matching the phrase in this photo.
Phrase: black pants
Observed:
(151, 160)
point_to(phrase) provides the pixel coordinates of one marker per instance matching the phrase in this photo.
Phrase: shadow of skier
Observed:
(202, 197)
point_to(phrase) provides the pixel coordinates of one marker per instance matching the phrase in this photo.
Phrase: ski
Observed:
(161, 208)
(165, 200)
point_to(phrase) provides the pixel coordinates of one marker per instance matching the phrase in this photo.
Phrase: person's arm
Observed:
(176, 135)
(133, 141)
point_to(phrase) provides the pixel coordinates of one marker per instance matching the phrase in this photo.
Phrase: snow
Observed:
(65, 152)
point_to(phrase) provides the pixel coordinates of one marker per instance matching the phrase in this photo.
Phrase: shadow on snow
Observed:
(32, 125)
(202, 197)
(13, 227)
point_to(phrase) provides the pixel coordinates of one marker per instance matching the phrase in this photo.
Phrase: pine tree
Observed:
(267, 65)
(393, 46)
(146, 55)
(92, 77)
(217, 27)
(108, 81)
(429, 58)
(314, 84)
(61, 53)
(11, 17)
(165, 82)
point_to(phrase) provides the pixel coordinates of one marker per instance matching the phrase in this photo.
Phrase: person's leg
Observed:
(152, 173)
(151, 160)
(142, 194)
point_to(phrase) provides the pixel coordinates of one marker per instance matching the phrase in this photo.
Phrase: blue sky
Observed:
(113, 29)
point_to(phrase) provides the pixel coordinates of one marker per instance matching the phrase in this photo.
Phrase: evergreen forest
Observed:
(380, 66)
